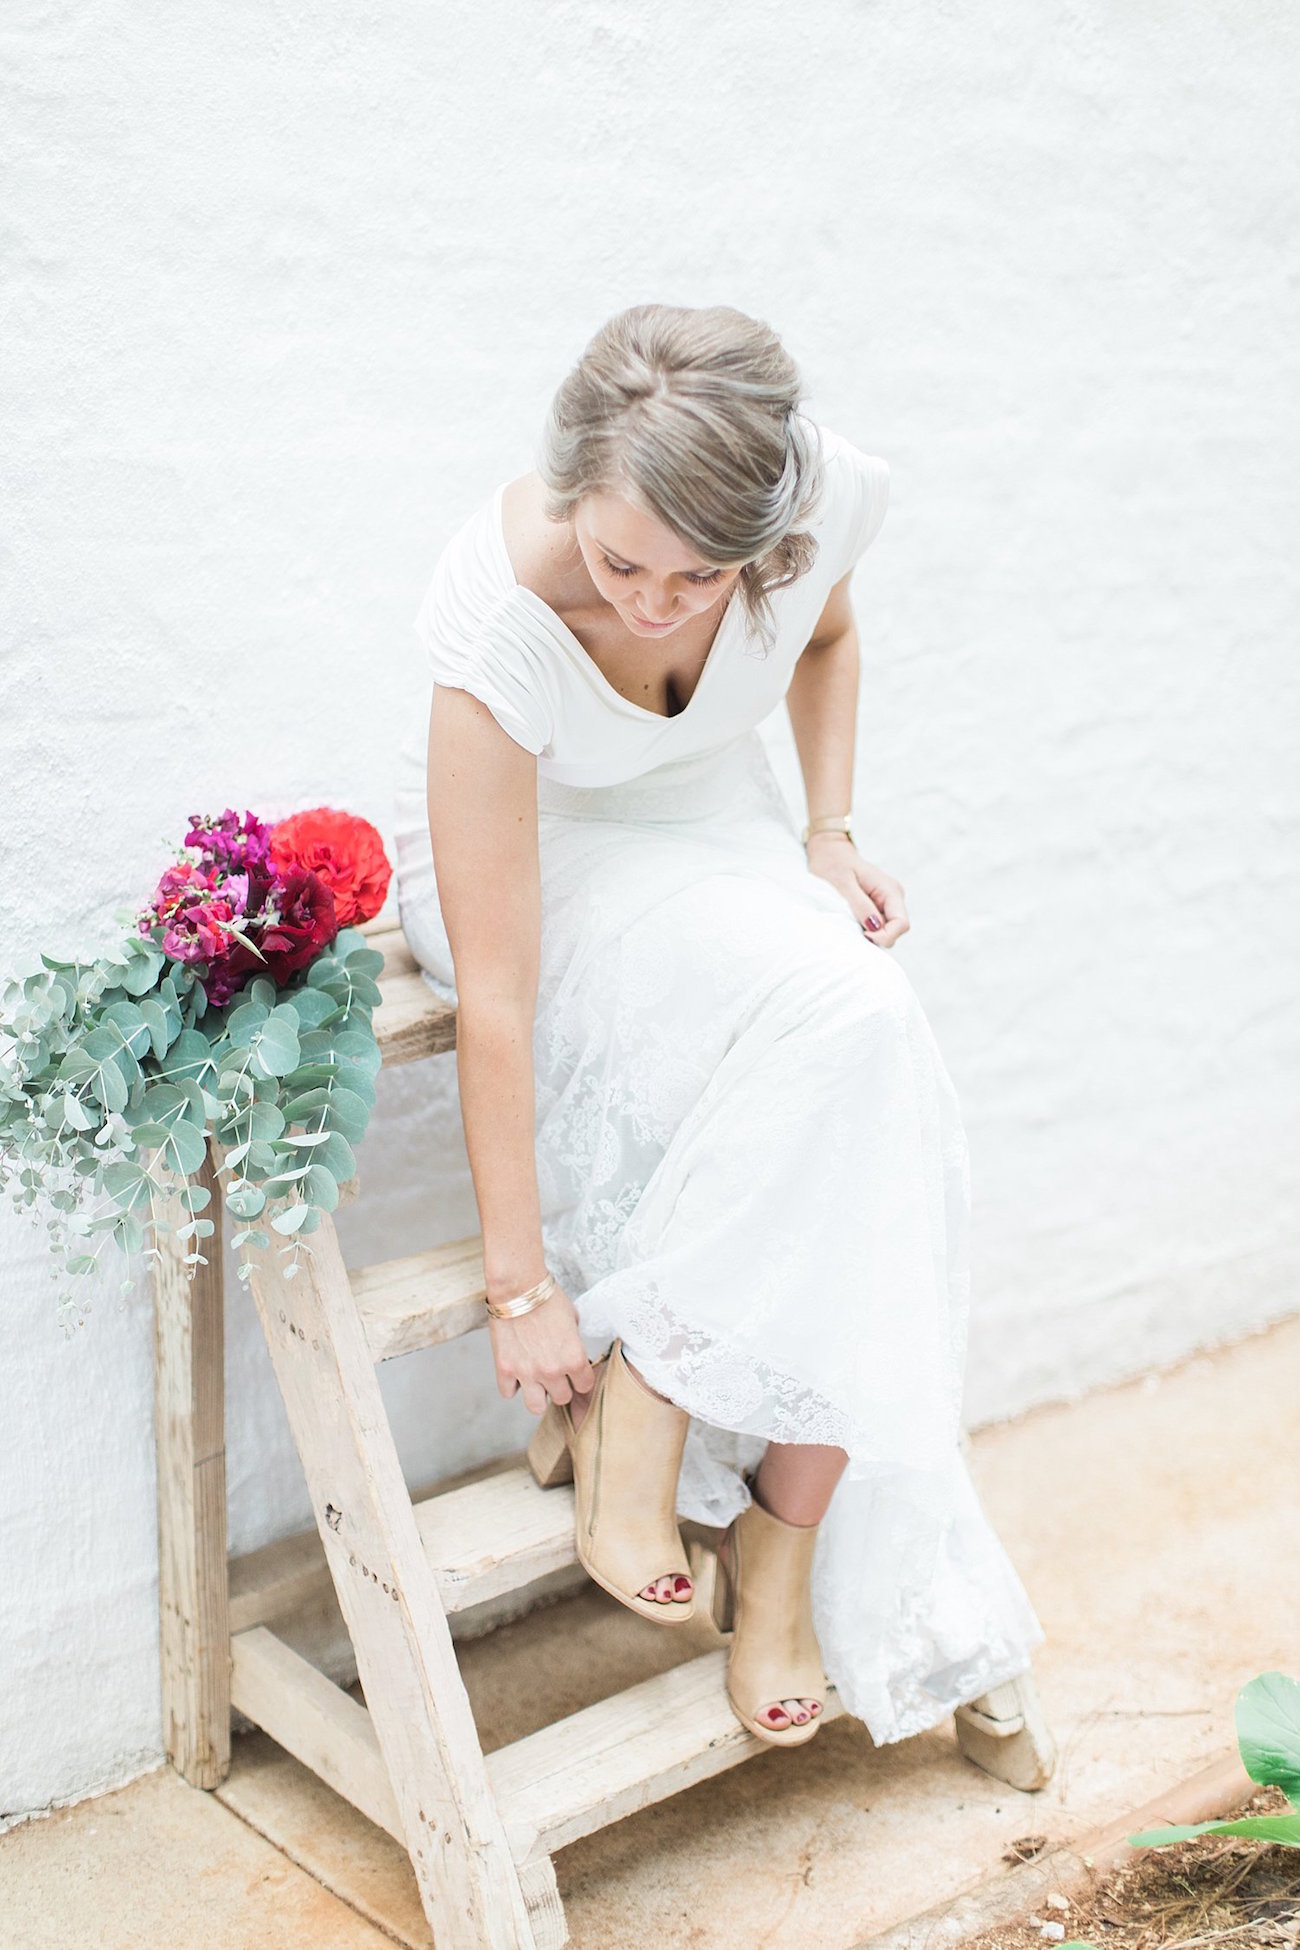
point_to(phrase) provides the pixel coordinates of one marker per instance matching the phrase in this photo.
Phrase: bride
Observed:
(720, 1168)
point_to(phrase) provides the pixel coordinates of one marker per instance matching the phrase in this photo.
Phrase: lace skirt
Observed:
(753, 1168)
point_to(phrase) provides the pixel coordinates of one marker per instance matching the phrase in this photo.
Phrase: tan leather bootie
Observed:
(623, 1460)
(764, 1599)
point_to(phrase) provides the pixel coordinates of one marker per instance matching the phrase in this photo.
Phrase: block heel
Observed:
(549, 1456)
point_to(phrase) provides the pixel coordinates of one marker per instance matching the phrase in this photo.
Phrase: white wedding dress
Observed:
(751, 1158)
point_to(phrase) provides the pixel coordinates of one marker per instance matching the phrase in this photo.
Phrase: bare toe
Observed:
(682, 1588)
(776, 1716)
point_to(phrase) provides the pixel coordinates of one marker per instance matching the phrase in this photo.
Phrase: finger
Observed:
(557, 1387)
(583, 1378)
(507, 1383)
(895, 925)
(534, 1397)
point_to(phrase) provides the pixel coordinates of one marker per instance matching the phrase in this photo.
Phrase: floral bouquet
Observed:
(237, 1005)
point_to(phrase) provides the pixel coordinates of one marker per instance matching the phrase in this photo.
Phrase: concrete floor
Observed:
(1154, 1527)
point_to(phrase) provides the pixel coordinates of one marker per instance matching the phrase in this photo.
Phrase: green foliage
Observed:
(1268, 1737)
(115, 1072)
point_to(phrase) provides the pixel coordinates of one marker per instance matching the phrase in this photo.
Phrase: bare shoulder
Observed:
(542, 552)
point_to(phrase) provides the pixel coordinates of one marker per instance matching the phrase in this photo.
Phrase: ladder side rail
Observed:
(189, 1430)
(468, 1881)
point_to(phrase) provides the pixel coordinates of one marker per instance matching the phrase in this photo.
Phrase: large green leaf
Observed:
(1282, 1829)
(1268, 1731)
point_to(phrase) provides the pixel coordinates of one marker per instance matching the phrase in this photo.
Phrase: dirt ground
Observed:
(1215, 1889)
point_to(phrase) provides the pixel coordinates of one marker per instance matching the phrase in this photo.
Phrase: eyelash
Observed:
(614, 570)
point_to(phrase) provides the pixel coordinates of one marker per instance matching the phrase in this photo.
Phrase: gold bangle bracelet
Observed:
(829, 823)
(522, 1303)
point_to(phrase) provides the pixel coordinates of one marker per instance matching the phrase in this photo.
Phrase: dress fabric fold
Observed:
(753, 1169)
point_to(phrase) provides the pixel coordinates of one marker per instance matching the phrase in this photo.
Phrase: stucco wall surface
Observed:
(288, 289)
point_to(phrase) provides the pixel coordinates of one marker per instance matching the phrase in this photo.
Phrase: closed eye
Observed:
(614, 569)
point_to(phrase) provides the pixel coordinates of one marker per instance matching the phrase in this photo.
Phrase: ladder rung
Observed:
(494, 1536)
(622, 1754)
(484, 1540)
(563, 1782)
(422, 1299)
(314, 1720)
(410, 1020)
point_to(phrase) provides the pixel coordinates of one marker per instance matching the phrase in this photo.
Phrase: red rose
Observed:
(346, 852)
(306, 923)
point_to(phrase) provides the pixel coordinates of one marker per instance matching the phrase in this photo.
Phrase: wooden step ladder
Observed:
(407, 1573)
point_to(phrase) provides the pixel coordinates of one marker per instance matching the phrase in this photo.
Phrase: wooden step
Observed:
(496, 1546)
(492, 1537)
(410, 1021)
(565, 1781)
(622, 1754)
(421, 1299)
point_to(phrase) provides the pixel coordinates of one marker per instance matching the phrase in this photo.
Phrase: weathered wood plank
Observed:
(286, 1585)
(487, 1539)
(453, 1831)
(314, 1720)
(622, 1754)
(422, 1298)
(334, 1735)
(189, 1429)
(410, 1021)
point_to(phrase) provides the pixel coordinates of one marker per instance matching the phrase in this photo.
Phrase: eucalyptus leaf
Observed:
(366, 961)
(76, 1113)
(130, 1234)
(290, 1221)
(156, 1020)
(312, 1007)
(128, 1183)
(265, 1120)
(246, 1203)
(348, 1113)
(308, 1104)
(244, 1022)
(188, 1148)
(338, 1158)
(320, 1188)
(277, 1045)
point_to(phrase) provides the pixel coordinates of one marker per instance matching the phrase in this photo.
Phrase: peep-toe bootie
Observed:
(1005, 1732)
(623, 1460)
(763, 1598)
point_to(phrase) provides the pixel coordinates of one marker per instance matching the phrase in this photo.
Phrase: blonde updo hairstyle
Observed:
(692, 414)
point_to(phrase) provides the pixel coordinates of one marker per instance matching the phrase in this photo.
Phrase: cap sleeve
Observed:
(860, 500)
(475, 639)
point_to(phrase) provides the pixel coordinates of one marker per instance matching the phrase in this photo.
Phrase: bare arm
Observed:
(823, 704)
(482, 791)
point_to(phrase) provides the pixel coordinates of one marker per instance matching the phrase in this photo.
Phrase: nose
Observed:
(658, 609)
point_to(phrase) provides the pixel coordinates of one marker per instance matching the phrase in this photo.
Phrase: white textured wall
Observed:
(288, 291)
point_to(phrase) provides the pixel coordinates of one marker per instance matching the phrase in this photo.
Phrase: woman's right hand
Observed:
(541, 1354)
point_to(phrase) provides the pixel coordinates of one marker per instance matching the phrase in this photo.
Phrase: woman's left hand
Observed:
(874, 896)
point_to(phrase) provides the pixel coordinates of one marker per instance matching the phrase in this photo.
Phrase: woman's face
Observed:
(649, 575)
